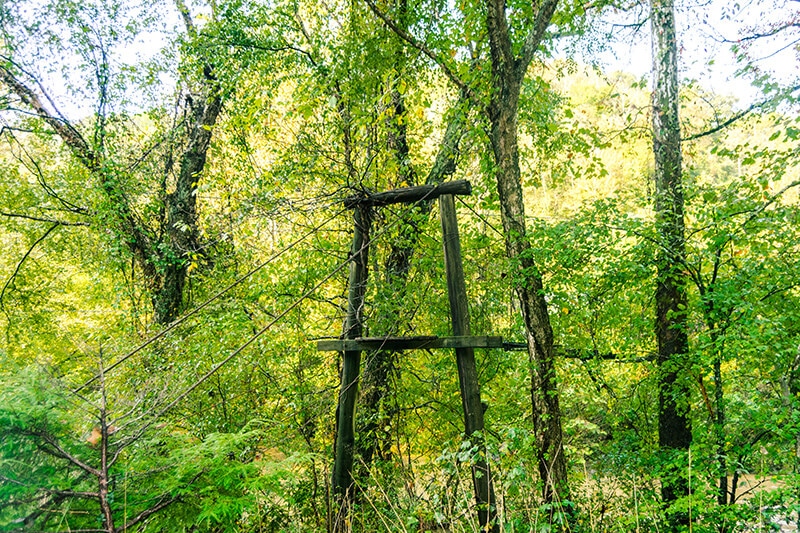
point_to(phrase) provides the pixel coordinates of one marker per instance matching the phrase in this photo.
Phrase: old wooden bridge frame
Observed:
(352, 342)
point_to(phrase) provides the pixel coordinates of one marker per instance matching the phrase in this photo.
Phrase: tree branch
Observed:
(21, 261)
(535, 36)
(43, 219)
(53, 492)
(147, 513)
(33, 167)
(63, 127)
(59, 451)
(755, 36)
(187, 17)
(739, 115)
(414, 43)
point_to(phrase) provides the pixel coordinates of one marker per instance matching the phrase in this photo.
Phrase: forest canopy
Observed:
(399, 265)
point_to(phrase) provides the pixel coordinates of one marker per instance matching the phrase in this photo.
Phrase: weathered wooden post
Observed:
(351, 363)
(465, 360)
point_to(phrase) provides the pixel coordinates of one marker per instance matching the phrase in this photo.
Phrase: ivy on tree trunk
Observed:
(508, 71)
(674, 428)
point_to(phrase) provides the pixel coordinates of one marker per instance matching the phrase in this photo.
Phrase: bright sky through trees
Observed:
(711, 33)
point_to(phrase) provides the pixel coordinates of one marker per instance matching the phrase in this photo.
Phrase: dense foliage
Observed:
(175, 240)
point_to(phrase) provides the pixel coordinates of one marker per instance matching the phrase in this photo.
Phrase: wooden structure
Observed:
(464, 344)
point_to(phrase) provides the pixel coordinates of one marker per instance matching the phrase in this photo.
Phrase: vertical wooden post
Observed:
(345, 436)
(465, 359)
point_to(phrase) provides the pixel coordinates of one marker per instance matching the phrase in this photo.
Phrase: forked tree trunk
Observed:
(508, 71)
(161, 252)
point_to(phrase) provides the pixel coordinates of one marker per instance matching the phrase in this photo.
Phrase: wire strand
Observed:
(210, 300)
(285, 312)
(480, 217)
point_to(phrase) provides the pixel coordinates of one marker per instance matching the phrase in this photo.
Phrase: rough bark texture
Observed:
(508, 72)
(674, 430)
(181, 227)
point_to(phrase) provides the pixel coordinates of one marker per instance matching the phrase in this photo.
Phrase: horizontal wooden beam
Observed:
(583, 355)
(432, 342)
(408, 195)
(408, 343)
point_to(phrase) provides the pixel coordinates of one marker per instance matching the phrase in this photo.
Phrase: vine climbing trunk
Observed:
(674, 429)
(373, 438)
(161, 245)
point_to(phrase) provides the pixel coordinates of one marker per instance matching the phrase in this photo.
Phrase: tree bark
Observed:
(181, 226)
(508, 72)
(674, 428)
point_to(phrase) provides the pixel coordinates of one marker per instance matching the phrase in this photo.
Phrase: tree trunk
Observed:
(182, 234)
(674, 429)
(163, 252)
(507, 75)
(379, 365)
(719, 434)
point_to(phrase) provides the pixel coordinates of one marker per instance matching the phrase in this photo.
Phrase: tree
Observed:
(674, 427)
(163, 244)
(508, 72)
(47, 471)
(500, 104)
(107, 460)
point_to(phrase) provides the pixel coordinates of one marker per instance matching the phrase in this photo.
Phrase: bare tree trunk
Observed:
(102, 474)
(674, 429)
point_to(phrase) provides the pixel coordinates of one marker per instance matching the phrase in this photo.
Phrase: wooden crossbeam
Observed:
(408, 343)
(583, 355)
(409, 194)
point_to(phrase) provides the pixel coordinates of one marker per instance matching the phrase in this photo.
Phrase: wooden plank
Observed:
(409, 343)
(407, 195)
(467, 369)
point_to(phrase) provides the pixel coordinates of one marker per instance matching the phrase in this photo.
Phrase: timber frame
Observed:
(352, 343)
